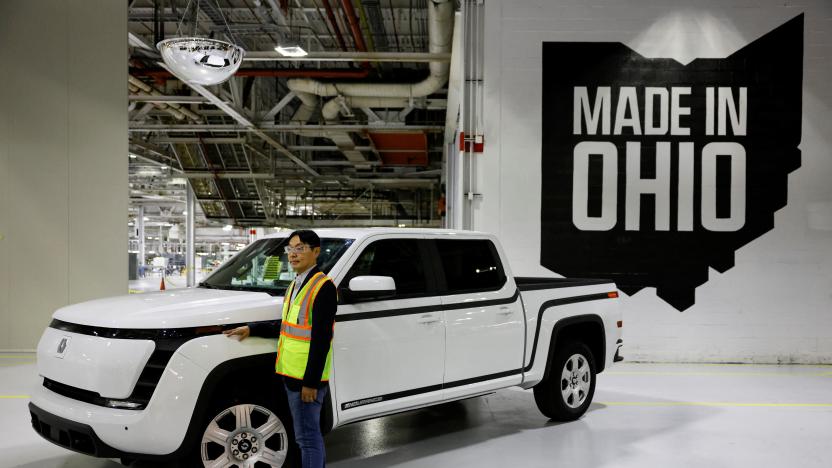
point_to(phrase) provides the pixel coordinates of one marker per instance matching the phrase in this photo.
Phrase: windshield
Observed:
(264, 266)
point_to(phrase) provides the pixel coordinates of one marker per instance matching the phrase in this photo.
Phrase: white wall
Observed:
(775, 304)
(63, 164)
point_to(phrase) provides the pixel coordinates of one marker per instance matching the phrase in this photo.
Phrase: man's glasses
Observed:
(298, 250)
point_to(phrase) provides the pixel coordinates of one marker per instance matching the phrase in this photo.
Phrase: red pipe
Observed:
(331, 15)
(161, 73)
(356, 29)
(357, 35)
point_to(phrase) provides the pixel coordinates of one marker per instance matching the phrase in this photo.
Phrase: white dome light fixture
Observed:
(201, 60)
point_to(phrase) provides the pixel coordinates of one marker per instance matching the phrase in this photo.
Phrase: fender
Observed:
(569, 321)
(592, 318)
(259, 363)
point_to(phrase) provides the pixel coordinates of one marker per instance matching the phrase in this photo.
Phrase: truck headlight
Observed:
(122, 404)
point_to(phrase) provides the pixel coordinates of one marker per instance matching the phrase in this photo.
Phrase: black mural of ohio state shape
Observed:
(673, 261)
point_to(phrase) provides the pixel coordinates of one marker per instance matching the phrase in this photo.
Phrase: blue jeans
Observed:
(306, 419)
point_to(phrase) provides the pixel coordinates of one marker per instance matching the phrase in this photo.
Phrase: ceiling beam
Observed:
(413, 57)
(246, 123)
(167, 99)
(145, 127)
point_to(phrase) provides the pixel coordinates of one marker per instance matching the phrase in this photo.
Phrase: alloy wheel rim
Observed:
(575, 381)
(244, 436)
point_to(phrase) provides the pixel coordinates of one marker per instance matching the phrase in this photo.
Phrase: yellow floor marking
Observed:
(718, 364)
(715, 403)
(754, 374)
(14, 397)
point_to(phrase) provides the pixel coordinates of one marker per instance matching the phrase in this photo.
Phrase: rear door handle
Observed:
(429, 318)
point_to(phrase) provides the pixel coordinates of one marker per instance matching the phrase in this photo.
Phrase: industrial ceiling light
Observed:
(201, 60)
(290, 48)
(289, 45)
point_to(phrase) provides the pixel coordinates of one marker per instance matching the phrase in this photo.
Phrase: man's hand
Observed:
(308, 395)
(239, 333)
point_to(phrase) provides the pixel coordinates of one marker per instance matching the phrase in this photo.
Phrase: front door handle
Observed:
(505, 311)
(430, 318)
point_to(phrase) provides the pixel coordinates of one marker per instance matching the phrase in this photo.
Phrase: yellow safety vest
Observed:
(296, 330)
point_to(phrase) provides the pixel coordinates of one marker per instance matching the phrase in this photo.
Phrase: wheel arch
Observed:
(588, 329)
(250, 376)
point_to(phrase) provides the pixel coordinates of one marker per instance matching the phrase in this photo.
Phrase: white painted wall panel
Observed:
(64, 170)
(775, 304)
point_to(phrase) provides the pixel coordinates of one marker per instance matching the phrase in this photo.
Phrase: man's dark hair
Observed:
(306, 237)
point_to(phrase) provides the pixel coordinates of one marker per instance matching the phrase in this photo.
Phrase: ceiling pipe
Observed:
(410, 57)
(354, 26)
(333, 107)
(161, 106)
(440, 26)
(161, 73)
(342, 139)
(179, 112)
(330, 14)
(357, 35)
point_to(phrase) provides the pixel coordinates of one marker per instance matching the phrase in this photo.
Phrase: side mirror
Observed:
(366, 288)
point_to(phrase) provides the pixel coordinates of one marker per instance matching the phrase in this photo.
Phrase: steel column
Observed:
(190, 244)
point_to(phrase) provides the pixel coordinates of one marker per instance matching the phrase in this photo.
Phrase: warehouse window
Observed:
(398, 258)
(470, 265)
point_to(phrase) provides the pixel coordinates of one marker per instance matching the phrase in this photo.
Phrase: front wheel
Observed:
(246, 435)
(567, 393)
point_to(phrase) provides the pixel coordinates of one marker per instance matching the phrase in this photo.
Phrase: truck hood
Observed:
(176, 308)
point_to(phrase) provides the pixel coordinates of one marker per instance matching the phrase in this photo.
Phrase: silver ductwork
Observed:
(440, 31)
(361, 95)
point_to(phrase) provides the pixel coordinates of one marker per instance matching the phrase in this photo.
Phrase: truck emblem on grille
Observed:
(62, 347)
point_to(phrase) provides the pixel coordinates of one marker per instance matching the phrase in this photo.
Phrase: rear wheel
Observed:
(567, 393)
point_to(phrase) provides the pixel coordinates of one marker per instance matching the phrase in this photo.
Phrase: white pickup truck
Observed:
(425, 317)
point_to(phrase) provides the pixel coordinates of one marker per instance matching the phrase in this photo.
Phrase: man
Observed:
(304, 349)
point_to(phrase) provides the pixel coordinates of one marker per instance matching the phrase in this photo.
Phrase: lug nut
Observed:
(243, 435)
(234, 442)
(236, 452)
(254, 450)
(245, 456)
(254, 439)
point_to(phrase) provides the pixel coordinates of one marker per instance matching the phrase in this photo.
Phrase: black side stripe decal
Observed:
(432, 388)
(426, 309)
(459, 383)
(554, 303)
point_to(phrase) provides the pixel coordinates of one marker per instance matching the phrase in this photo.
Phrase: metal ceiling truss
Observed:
(246, 160)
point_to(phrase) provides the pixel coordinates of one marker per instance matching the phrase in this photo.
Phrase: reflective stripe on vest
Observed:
(296, 330)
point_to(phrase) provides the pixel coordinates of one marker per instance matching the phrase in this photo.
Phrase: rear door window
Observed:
(470, 265)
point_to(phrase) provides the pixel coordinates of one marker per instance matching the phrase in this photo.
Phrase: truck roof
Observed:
(359, 233)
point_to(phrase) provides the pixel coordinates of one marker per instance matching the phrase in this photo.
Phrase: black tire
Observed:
(567, 392)
(260, 410)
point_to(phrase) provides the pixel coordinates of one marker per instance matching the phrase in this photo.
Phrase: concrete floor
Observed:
(644, 415)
